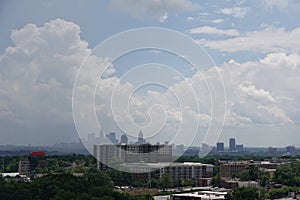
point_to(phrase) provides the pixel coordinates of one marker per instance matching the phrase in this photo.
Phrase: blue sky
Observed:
(254, 44)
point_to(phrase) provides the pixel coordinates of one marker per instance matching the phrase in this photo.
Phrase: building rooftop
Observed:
(11, 174)
(205, 195)
(164, 164)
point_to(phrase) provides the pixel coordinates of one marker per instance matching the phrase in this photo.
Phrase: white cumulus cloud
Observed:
(37, 75)
(213, 30)
(237, 12)
(152, 8)
(268, 40)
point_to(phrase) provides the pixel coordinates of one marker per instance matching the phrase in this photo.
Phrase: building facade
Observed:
(124, 139)
(24, 166)
(178, 171)
(239, 147)
(220, 146)
(131, 153)
(35, 159)
(232, 144)
(181, 171)
(229, 169)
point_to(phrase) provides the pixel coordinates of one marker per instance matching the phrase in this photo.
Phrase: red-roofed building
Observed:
(37, 154)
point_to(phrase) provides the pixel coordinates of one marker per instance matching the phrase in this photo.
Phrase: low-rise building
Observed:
(201, 195)
(178, 171)
(229, 169)
(14, 176)
(188, 170)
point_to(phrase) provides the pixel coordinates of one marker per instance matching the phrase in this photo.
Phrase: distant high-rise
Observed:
(112, 137)
(272, 151)
(124, 139)
(291, 149)
(232, 144)
(239, 147)
(205, 147)
(178, 149)
(141, 138)
(220, 146)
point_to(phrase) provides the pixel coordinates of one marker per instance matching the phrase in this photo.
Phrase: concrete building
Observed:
(131, 153)
(220, 146)
(268, 165)
(112, 137)
(272, 151)
(232, 144)
(200, 195)
(14, 176)
(187, 170)
(24, 166)
(35, 159)
(229, 169)
(291, 149)
(239, 147)
(124, 139)
(105, 153)
(141, 138)
(232, 184)
(178, 171)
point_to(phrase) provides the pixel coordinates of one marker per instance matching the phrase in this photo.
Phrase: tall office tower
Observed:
(141, 138)
(232, 144)
(290, 149)
(112, 137)
(220, 146)
(124, 139)
(239, 147)
(205, 147)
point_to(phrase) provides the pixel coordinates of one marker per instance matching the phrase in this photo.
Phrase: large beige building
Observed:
(229, 169)
(178, 171)
(107, 154)
(188, 170)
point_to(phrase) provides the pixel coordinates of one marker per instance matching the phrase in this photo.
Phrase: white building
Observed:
(178, 171)
(203, 195)
(108, 155)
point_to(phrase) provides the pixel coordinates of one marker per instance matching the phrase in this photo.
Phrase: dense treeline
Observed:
(251, 193)
(242, 193)
(287, 177)
(55, 163)
(288, 174)
(212, 158)
(61, 184)
(94, 185)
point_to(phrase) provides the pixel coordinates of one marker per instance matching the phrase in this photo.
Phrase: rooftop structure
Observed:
(131, 153)
(203, 195)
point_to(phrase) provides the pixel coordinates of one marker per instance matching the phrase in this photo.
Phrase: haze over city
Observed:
(253, 44)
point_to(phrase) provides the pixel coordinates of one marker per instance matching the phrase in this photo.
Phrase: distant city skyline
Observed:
(116, 138)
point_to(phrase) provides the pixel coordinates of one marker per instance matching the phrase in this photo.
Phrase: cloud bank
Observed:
(37, 75)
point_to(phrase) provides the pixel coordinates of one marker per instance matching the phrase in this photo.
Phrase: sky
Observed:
(253, 91)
